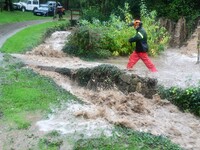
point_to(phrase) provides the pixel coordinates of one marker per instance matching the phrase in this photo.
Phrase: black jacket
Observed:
(141, 40)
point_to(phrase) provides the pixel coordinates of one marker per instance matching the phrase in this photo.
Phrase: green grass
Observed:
(22, 92)
(18, 16)
(27, 39)
(51, 141)
(127, 139)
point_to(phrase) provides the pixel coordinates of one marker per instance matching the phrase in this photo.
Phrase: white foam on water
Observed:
(66, 122)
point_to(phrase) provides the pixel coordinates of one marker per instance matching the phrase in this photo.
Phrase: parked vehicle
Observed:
(59, 9)
(51, 3)
(16, 6)
(44, 10)
(27, 5)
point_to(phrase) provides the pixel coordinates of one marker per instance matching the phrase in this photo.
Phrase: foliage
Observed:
(187, 99)
(86, 42)
(192, 22)
(158, 37)
(174, 9)
(96, 39)
(92, 12)
(100, 39)
(24, 92)
(165, 8)
(170, 9)
(103, 75)
(124, 138)
(30, 37)
(116, 37)
(48, 144)
(83, 76)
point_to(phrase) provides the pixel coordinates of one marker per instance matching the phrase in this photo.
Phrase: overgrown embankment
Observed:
(107, 77)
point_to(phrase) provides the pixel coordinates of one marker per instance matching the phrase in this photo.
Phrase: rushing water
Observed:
(104, 108)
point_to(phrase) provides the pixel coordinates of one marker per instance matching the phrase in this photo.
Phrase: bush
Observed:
(104, 75)
(187, 99)
(86, 42)
(101, 39)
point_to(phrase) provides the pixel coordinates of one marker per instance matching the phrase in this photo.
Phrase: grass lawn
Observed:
(22, 92)
(18, 16)
(30, 37)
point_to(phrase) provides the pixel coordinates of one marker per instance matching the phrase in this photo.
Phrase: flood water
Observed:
(174, 68)
(102, 109)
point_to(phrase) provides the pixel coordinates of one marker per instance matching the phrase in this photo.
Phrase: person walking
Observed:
(141, 48)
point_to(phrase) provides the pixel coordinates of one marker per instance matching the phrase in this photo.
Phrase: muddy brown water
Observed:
(103, 108)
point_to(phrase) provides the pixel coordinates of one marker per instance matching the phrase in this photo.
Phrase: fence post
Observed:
(75, 14)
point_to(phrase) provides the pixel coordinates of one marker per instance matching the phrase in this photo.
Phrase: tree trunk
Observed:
(8, 5)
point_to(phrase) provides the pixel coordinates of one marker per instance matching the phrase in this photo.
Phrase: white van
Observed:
(28, 5)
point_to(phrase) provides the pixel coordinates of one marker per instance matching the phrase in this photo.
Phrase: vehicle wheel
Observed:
(23, 9)
(35, 9)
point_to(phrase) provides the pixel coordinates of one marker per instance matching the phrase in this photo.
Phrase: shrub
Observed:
(187, 99)
(87, 42)
(101, 39)
(106, 75)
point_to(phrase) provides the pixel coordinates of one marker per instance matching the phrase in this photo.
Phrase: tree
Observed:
(7, 5)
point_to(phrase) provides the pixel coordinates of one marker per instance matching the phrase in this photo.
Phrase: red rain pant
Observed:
(135, 56)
